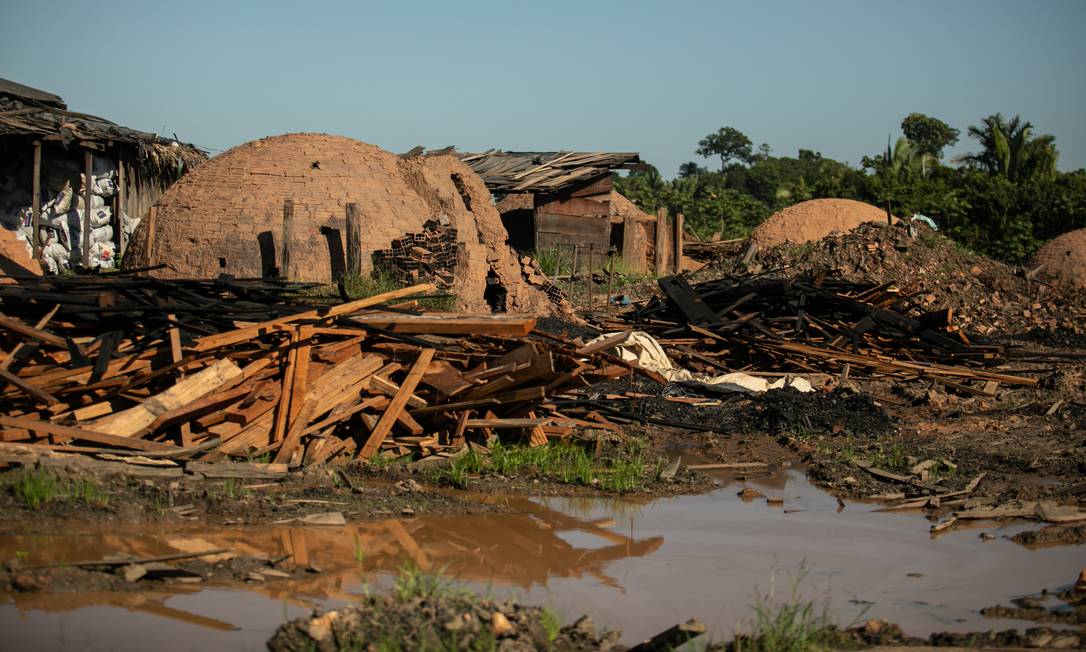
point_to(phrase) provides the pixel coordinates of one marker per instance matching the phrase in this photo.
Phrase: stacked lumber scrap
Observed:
(125, 374)
(813, 324)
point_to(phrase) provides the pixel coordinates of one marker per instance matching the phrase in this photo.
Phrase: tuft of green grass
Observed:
(559, 461)
(414, 582)
(552, 625)
(788, 623)
(36, 488)
(234, 489)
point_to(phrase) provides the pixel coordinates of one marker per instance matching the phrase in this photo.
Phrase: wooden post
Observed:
(88, 169)
(176, 355)
(119, 244)
(557, 261)
(591, 279)
(35, 202)
(354, 240)
(288, 227)
(149, 244)
(610, 275)
(660, 248)
(677, 262)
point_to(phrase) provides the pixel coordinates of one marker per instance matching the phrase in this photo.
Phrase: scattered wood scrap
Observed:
(814, 324)
(205, 372)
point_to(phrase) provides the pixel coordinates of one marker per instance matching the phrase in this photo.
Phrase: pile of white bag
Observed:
(61, 223)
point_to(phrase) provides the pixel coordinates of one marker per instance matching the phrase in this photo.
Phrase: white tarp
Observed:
(643, 349)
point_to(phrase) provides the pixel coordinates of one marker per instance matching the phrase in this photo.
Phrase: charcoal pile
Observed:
(815, 323)
(208, 371)
(429, 256)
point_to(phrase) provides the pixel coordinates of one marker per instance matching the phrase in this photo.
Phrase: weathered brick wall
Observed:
(1064, 259)
(213, 220)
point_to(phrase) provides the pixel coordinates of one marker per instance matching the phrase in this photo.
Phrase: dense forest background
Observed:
(1004, 200)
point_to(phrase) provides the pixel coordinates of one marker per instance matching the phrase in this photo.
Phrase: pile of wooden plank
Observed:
(181, 369)
(429, 256)
(813, 324)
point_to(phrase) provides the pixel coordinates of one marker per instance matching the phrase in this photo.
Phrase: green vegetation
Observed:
(620, 470)
(36, 488)
(412, 582)
(551, 623)
(352, 287)
(234, 489)
(787, 624)
(1004, 200)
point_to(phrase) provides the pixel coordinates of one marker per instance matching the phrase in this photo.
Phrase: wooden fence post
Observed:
(677, 262)
(35, 202)
(354, 240)
(288, 227)
(660, 246)
(118, 215)
(88, 169)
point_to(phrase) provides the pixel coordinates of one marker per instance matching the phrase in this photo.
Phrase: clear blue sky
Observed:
(653, 77)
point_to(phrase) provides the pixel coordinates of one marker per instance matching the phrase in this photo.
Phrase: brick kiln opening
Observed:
(227, 216)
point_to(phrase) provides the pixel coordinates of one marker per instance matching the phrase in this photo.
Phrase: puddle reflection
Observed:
(637, 566)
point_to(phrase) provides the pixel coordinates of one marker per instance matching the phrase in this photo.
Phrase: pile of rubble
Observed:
(984, 295)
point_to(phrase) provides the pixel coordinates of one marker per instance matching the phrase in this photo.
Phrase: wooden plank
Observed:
(175, 356)
(575, 207)
(67, 433)
(399, 402)
(209, 342)
(634, 248)
(301, 374)
(688, 301)
(41, 395)
(22, 328)
(282, 412)
(210, 402)
(604, 344)
(660, 248)
(677, 245)
(509, 423)
(443, 323)
(21, 346)
(120, 246)
(135, 419)
(354, 240)
(35, 201)
(88, 170)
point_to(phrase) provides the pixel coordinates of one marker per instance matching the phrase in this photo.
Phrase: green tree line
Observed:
(1003, 200)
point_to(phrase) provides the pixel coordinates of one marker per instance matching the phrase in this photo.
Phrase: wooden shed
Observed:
(45, 150)
(565, 201)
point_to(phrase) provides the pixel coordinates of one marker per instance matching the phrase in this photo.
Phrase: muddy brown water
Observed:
(635, 566)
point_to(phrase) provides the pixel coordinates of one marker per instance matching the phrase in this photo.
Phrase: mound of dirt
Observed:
(442, 622)
(15, 260)
(813, 220)
(1064, 259)
(984, 295)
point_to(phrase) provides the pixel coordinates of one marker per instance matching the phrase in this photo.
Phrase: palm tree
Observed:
(1010, 150)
